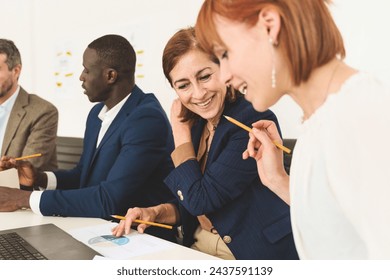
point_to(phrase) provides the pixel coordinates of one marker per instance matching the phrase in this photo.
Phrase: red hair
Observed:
(308, 36)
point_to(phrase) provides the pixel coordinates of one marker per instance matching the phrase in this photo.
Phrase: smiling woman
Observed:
(196, 81)
(339, 198)
(222, 206)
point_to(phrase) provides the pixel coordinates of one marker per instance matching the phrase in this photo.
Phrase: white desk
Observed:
(23, 218)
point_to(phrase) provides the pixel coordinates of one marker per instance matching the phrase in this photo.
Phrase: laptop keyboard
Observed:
(14, 247)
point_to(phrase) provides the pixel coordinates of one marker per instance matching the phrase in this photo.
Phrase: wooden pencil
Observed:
(143, 222)
(243, 126)
(30, 156)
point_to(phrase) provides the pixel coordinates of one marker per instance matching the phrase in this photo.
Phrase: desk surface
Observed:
(23, 218)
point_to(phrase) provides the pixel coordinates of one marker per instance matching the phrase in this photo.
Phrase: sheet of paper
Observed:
(134, 244)
(9, 178)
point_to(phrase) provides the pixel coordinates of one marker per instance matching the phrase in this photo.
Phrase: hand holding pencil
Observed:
(8, 162)
(28, 175)
(269, 162)
(243, 126)
(144, 217)
(143, 222)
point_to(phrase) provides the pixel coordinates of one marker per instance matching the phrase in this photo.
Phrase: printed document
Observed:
(128, 246)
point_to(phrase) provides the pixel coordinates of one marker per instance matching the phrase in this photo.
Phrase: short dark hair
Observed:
(115, 52)
(8, 48)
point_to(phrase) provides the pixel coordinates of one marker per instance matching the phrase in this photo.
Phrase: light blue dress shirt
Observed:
(5, 112)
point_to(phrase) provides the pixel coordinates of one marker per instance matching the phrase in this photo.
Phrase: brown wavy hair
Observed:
(182, 42)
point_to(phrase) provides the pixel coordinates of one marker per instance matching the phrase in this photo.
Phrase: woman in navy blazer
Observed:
(222, 193)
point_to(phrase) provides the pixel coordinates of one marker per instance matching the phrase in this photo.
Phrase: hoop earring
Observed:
(273, 71)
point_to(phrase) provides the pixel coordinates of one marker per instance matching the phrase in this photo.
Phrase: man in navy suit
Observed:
(127, 146)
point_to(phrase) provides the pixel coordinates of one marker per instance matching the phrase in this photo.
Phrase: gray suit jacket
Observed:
(31, 129)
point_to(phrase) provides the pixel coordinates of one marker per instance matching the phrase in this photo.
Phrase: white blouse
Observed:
(340, 175)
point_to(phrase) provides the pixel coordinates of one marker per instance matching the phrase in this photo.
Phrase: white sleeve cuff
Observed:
(35, 198)
(51, 181)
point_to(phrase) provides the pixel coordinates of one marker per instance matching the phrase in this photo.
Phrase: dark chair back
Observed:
(289, 143)
(69, 151)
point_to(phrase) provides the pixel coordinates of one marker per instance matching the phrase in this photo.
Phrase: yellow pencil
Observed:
(143, 222)
(30, 156)
(243, 126)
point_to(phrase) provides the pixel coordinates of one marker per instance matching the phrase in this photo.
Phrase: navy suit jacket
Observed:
(231, 194)
(127, 169)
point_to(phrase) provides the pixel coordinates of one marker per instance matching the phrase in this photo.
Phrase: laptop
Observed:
(50, 241)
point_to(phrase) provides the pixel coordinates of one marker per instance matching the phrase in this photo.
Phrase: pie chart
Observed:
(108, 241)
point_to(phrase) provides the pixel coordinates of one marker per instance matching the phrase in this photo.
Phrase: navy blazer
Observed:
(230, 193)
(127, 169)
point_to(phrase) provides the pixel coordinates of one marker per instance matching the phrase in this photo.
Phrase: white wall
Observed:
(44, 28)
(15, 24)
(364, 26)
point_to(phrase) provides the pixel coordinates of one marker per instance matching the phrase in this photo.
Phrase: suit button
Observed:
(180, 194)
(227, 239)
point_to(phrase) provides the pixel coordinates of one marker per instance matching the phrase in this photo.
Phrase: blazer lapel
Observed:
(129, 105)
(197, 134)
(17, 114)
(89, 150)
(219, 132)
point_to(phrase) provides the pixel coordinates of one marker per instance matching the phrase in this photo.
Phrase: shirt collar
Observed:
(111, 114)
(9, 103)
